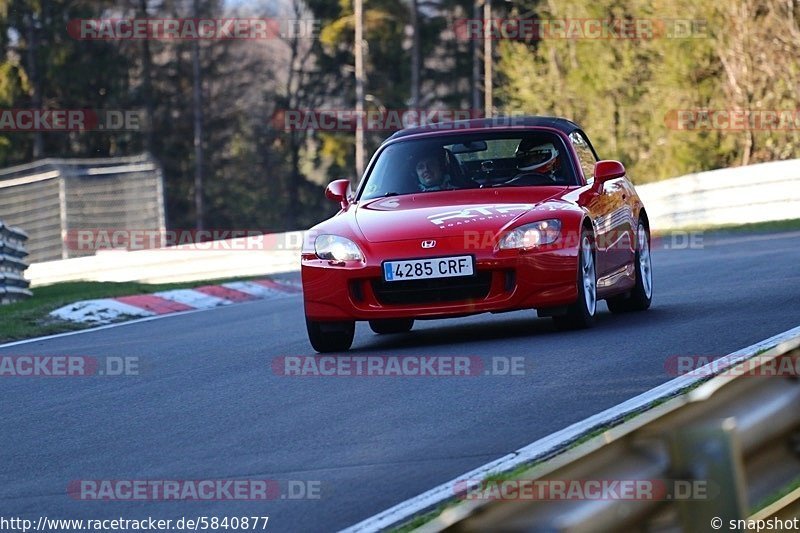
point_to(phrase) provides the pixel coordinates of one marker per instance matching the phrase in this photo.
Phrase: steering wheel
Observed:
(457, 175)
(531, 178)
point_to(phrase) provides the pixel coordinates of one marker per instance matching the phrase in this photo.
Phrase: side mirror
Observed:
(336, 191)
(608, 170)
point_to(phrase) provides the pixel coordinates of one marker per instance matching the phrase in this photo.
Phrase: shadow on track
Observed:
(451, 331)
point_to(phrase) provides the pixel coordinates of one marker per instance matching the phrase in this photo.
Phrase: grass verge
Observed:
(756, 227)
(772, 498)
(30, 318)
(520, 470)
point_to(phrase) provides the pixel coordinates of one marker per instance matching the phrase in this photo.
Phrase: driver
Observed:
(536, 157)
(431, 171)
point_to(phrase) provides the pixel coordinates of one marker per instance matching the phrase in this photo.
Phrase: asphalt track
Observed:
(208, 406)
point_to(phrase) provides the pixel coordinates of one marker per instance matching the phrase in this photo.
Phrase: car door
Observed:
(610, 212)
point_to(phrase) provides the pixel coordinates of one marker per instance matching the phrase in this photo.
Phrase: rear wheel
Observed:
(398, 325)
(330, 336)
(642, 293)
(581, 313)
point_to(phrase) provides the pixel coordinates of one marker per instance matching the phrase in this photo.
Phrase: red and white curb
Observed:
(107, 310)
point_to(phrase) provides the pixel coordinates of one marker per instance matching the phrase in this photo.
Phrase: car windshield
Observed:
(468, 162)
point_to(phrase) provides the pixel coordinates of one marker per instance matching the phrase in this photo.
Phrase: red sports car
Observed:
(487, 215)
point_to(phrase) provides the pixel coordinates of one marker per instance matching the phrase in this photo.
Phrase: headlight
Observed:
(531, 235)
(337, 248)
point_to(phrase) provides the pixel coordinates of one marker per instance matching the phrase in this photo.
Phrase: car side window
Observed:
(585, 155)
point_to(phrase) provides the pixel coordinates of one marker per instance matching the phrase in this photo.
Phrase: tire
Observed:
(580, 314)
(399, 325)
(330, 336)
(641, 295)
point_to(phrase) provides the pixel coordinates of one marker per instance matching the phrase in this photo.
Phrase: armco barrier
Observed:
(225, 259)
(13, 285)
(737, 195)
(736, 435)
(756, 193)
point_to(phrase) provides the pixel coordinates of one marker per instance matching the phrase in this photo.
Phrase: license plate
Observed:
(439, 267)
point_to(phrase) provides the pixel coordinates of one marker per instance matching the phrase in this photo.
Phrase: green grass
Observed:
(30, 318)
(757, 227)
(788, 489)
(422, 519)
(518, 471)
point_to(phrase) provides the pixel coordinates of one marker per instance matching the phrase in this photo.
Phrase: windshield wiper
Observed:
(388, 194)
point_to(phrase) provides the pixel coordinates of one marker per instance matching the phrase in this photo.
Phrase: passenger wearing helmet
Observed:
(537, 158)
(431, 170)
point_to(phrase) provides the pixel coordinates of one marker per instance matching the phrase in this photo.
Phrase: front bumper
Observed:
(505, 281)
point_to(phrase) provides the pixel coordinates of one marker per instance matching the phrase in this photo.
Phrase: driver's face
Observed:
(428, 172)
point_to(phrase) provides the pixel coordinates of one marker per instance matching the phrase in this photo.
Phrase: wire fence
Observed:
(53, 197)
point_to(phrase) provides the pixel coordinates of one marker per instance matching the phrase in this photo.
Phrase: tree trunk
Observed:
(147, 84)
(415, 55)
(197, 105)
(476, 62)
(36, 82)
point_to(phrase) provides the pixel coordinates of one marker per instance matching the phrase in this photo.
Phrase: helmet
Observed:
(538, 157)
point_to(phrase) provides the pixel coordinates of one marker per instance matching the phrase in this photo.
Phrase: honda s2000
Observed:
(487, 215)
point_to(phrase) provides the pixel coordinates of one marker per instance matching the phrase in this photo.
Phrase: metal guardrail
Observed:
(737, 195)
(245, 256)
(13, 285)
(737, 432)
(744, 194)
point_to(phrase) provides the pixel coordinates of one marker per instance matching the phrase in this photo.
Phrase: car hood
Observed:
(447, 213)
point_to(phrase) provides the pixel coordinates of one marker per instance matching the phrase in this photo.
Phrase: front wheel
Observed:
(330, 336)
(398, 325)
(641, 295)
(580, 314)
